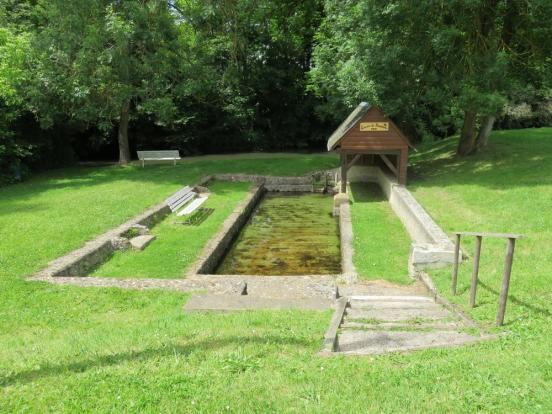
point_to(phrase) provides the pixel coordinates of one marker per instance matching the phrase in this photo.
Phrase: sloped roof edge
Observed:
(346, 125)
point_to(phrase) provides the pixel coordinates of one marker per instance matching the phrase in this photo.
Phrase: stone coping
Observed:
(216, 248)
(77, 263)
(430, 245)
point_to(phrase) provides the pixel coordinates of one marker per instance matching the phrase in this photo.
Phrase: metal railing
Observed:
(509, 259)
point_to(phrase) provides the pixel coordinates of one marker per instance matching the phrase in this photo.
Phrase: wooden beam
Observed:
(389, 164)
(361, 151)
(355, 158)
(403, 165)
(485, 234)
(343, 173)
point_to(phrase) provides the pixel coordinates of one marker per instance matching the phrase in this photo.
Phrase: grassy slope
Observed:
(176, 246)
(64, 348)
(377, 229)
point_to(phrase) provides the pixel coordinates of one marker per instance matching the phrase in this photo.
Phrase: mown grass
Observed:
(176, 246)
(67, 349)
(381, 242)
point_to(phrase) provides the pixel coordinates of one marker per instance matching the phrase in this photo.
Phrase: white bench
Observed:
(165, 155)
(180, 198)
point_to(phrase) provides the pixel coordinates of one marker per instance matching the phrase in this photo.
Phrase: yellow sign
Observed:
(374, 126)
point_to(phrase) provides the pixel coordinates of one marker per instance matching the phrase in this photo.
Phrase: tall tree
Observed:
(433, 61)
(100, 61)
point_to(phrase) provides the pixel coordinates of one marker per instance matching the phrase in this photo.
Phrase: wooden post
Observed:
(455, 267)
(475, 271)
(403, 165)
(343, 173)
(505, 281)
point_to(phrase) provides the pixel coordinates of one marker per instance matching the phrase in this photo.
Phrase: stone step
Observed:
(378, 342)
(405, 304)
(395, 315)
(398, 325)
(391, 298)
(141, 242)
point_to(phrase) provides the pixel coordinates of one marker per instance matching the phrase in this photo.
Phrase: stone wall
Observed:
(348, 271)
(81, 261)
(430, 245)
(279, 184)
(217, 247)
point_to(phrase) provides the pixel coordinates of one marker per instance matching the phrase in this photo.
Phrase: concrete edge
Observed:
(330, 337)
(349, 273)
(216, 247)
(474, 341)
(430, 286)
(430, 248)
(80, 261)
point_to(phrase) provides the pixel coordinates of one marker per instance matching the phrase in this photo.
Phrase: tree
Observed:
(100, 61)
(431, 63)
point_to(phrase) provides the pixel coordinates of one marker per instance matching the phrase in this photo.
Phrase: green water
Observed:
(288, 234)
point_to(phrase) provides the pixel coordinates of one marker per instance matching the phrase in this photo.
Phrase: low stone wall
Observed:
(348, 271)
(278, 184)
(430, 245)
(216, 248)
(81, 261)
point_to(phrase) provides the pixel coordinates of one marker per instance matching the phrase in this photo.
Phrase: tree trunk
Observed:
(466, 145)
(124, 149)
(484, 131)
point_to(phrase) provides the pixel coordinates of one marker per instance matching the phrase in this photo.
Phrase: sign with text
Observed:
(374, 126)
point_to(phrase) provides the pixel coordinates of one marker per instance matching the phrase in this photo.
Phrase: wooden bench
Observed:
(164, 155)
(180, 198)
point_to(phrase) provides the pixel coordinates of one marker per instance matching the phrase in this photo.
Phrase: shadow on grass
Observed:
(366, 193)
(514, 299)
(165, 351)
(515, 158)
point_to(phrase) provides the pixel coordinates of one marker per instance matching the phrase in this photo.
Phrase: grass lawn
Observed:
(377, 229)
(67, 349)
(176, 246)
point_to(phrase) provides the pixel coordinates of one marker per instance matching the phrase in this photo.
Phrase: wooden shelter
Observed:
(367, 134)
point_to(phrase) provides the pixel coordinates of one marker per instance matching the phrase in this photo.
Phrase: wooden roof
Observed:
(367, 129)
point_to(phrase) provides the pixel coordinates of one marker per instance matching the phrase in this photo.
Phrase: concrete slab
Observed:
(377, 342)
(393, 305)
(207, 302)
(402, 325)
(395, 315)
(141, 242)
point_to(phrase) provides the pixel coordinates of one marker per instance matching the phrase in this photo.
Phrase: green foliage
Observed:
(92, 57)
(426, 64)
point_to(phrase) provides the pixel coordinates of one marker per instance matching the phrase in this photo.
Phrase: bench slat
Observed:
(175, 206)
(179, 194)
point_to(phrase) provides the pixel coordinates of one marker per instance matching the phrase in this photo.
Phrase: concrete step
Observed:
(404, 304)
(445, 326)
(396, 314)
(390, 298)
(378, 342)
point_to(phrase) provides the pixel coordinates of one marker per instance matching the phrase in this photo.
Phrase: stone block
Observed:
(120, 243)
(141, 242)
(141, 229)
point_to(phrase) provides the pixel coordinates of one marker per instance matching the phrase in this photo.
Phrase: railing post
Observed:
(505, 281)
(455, 267)
(475, 271)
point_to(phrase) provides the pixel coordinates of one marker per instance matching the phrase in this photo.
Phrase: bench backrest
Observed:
(158, 154)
